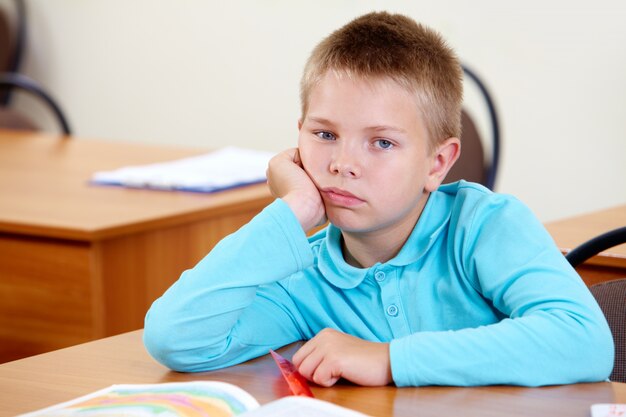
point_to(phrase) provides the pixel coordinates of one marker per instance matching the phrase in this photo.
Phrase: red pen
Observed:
(297, 383)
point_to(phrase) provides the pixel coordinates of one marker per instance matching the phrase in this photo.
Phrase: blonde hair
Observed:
(382, 45)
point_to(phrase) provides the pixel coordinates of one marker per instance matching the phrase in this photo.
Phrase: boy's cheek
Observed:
(302, 139)
(309, 167)
(313, 159)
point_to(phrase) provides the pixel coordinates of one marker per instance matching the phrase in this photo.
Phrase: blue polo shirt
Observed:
(479, 294)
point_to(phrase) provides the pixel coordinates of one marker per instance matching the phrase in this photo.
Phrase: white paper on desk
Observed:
(219, 170)
(302, 407)
(608, 410)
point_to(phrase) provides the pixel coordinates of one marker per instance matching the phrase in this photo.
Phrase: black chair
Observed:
(12, 36)
(12, 119)
(12, 41)
(611, 295)
(472, 164)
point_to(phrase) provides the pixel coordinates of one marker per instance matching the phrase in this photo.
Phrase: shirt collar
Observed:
(432, 222)
(332, 265)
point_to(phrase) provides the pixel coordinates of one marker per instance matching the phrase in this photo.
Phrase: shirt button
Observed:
(379, 276)
(392, 310)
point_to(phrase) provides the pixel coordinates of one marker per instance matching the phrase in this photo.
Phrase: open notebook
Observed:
(219, 170)
(188, 399)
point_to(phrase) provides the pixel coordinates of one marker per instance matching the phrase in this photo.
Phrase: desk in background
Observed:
(571, 232)
(80, 262)
(54, 377)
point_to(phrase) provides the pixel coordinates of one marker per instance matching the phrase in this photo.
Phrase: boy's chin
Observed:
(349, 223)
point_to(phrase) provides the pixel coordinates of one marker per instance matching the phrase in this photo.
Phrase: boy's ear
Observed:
(443, 157)
(299, 124)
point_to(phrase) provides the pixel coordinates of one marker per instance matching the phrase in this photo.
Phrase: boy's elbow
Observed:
(163, 340)
(161, 345)
(598, 353)
(582, 351)
(599, 367)
(167, 344)
(604, 354)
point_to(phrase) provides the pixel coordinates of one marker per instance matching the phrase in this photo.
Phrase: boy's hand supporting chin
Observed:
(288, 180)
(331, 355)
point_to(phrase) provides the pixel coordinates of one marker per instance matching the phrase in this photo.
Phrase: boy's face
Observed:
(364, 146)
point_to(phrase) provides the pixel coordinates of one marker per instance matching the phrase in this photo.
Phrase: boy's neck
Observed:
(365, 254)
(365, 249)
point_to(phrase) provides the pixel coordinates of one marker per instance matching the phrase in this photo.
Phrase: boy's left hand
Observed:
(331, 355)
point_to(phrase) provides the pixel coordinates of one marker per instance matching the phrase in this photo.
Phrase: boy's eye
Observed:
(384, 144)
(325, 135)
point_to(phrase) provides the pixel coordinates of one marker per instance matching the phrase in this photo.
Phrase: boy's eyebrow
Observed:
(378, 128)
(319, 120)
(385, 128)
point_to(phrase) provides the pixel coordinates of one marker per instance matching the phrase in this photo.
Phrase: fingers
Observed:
(296, 157)
(317, 367)
(321, 340)
(331, 355)
(280, 170)
(317, 360)
(288, 180)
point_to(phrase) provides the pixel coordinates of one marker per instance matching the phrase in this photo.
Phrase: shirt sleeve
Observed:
(231, 306)
(553, 331)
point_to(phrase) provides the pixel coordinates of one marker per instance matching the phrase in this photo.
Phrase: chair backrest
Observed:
(12, 41)
(611, 295)
(472, 164)
(596, 245)
(10, 118)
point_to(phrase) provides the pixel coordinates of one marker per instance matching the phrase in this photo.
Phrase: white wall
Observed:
(211, 73)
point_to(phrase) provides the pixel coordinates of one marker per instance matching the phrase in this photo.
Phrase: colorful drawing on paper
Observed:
(192, 399)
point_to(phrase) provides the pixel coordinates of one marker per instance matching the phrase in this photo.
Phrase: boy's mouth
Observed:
(340, 197)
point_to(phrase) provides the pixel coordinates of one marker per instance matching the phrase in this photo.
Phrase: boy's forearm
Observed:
(553, 324)
(191, 326)
(542, 349)
(503, 253)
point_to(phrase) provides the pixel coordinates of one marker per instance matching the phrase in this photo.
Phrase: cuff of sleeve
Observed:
(398, 360)
(408, 356)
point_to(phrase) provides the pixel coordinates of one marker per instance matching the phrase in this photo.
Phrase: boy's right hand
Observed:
(289, 181)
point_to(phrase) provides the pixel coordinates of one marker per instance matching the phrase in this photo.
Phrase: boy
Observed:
(410, 283)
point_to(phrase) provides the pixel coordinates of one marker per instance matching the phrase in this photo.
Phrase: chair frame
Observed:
(596, 245)
(491, 169)
(615, 318)
(12, 80)
(17, 51)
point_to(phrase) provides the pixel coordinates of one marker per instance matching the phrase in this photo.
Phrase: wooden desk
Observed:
(79, 262)
(571, 232)
(47, 379)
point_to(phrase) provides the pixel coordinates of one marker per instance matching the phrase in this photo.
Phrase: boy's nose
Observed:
(345, 162)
